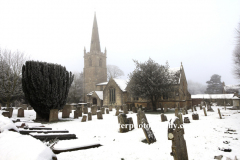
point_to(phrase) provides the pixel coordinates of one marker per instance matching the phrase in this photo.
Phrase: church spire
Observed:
(95, 43)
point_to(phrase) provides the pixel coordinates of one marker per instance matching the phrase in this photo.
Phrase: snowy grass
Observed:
(203, 136)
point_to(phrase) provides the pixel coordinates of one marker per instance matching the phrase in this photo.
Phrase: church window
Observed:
(90, 61)
(112, 95)
(100, 63)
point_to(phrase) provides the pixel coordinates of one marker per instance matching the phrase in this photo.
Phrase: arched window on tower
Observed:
(112, 96)
(90, 61)
(100, 62)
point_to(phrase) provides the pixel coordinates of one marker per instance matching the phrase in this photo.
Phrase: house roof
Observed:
(102, 84)
(122, 84)
(213, 96)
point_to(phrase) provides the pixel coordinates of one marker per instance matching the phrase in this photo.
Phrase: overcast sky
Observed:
(200, 34)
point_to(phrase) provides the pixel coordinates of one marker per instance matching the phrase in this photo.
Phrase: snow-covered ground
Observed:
(203, 137)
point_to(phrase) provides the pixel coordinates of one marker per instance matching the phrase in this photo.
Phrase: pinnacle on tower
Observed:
(95, 42)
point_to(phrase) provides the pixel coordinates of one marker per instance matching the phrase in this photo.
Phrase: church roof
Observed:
(102, 84)
(99, 94)
(122, 84)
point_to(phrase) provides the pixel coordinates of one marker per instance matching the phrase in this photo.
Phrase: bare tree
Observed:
(11, 75)
(114, 71)
(76, 91)
(236, 55)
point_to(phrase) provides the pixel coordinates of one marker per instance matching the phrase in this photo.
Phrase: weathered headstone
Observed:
(134, 109)
(175, 133)
(67, 109)
(195, 109)
(117, 111)
(84, 118)
(180, 118)
(103, 110)
(204, 110)
(147, 131)
(122, 118)
(176, 112)
(186, 110)
(140, 116)
(20, 112)
(76, 114)
(99, 115)
(6, 114)
(186, 120)
(94, 110)
(220, 116)
(107, 111)
(195, 116)
(110, 108)
(10, 111)
(85, 110)
(183, 111)
(125, 111)
(79, 109)
(53, 116)
(89, 116)
(130, 122)
(163, 118)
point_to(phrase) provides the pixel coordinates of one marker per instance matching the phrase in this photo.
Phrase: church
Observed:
(99, 91)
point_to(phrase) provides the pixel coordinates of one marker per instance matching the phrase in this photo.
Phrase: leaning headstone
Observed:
(125, 111)
(67, 109)
(175, 133)
(204, 110)
(195, 109)
(84, 118)
(85, 110)
(140, 116)
(76, 114)
(6, 114)
(89, 116)
(107, 111)
(99, 115)
(147, 131)
(195, 116)
(163, 118)
(10, 111)
(220, 116)
(134, 109)
(186, 120)
(103, 110)
(176, 112)
(122, 118)
(20, 112)
(53, 116)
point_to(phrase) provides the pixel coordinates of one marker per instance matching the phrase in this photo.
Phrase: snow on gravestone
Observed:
(195, 116)
(175, 133)
(147, 131)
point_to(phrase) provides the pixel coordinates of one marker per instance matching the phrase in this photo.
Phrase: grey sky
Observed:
(200, 34)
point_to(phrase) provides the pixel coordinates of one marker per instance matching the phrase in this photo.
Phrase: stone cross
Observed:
(204, 110)
(53, 116)
(175, 133)
(84, 118)
(20, 112)
(99, 115)
(89, 116)
(195, 116)
(220, 116)
(147, 131)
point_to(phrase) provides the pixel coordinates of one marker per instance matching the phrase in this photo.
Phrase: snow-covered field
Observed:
(203, 137)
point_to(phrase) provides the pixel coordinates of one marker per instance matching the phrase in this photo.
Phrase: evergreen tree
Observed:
(215, 85)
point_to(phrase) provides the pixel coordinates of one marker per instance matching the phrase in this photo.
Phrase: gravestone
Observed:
(10, 111)
(147, 131)
(200, 107)
(134, 109)
(107, 111)
(165, 109)
(76, 114)
(183, 111)
(140, 116)
(122, 118)
(67, 109)
(192, 109)
(117, 111)
(176, 112)
(85, 110)
(186, 120)
(186, 110)
(163, 118)
(89, 116)
(204, 110)
(84, 118)
(175, 133)
(94, 110)
(195, 109)
(110, 108)
(53, 116)
(79, 109)
(99, 115)
(195, 116)
(6, 114)
(220, 116)
(180, 118)
(130, 122)
(103, 110)
(209, 107)
(125, 111)
(20, 112)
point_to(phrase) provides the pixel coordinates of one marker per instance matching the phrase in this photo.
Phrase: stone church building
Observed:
(99, 91)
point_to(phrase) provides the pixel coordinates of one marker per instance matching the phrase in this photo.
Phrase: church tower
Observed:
(95, 63)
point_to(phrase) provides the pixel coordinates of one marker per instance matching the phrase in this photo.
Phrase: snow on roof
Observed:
(122, 83)
(99, 94)
(90, 93)
(234, 87)
(102, 84)
(213, 96)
